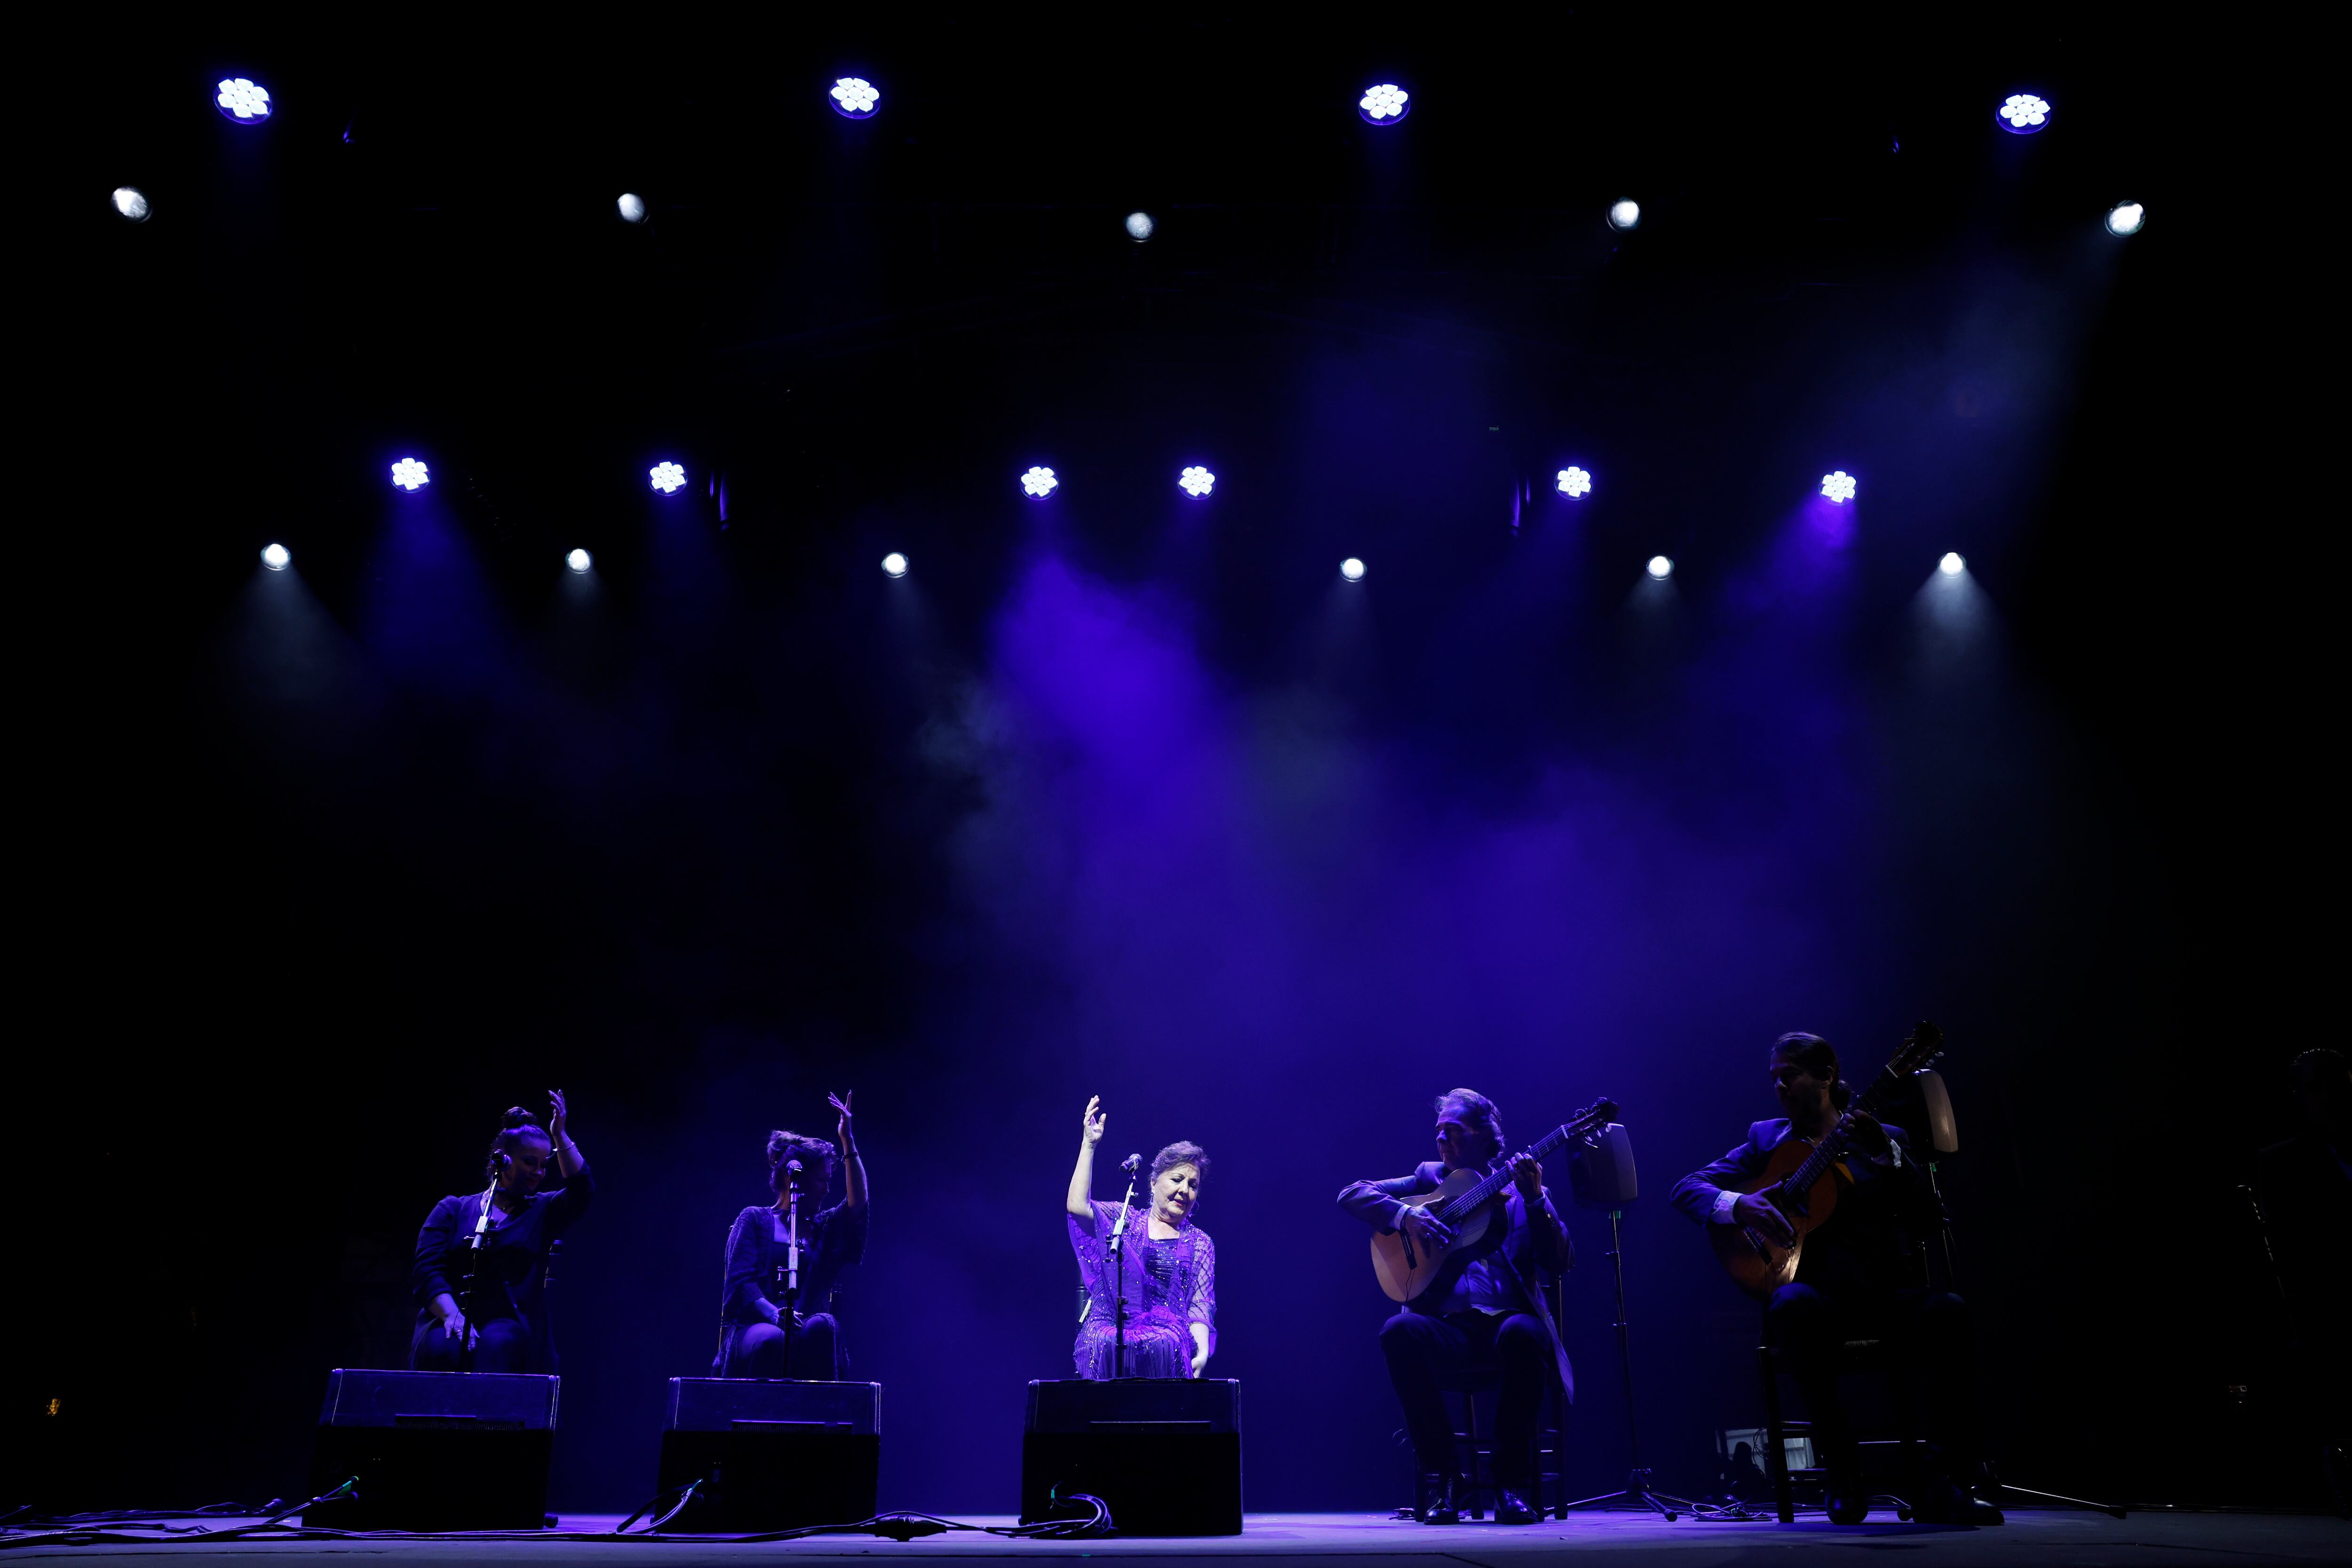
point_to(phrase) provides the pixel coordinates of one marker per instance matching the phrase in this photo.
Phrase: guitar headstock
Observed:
(1919, 1051)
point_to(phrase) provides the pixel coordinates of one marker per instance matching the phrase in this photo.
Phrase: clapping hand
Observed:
(1090, 1129)
(555, 1133)
(842, 1137)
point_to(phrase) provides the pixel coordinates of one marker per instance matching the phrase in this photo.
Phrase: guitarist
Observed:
(1857, 1277)
(1488, 1310)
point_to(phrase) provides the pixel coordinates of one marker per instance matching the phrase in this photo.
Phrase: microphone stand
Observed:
(474, 1272)
(1118, 1272)
(792, 1270)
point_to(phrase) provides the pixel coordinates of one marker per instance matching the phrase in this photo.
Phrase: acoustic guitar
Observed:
(1466, 1202)
(1800, 1180)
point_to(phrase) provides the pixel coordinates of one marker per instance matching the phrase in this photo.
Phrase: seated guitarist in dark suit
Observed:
(1486, 1310)
(1858, 1277)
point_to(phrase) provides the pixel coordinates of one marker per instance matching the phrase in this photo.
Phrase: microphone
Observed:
(1132, 1164)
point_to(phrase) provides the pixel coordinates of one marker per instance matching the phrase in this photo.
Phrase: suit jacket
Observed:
(1375, 1202)
(1867, 1243)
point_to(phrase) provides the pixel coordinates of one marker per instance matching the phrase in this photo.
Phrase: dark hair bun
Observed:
(778, 1143)
(518, 1117)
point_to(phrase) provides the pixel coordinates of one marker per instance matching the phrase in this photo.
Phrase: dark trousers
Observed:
(1934, 1350)
(1424, 1353)
(816, 1349)
(501, 1347)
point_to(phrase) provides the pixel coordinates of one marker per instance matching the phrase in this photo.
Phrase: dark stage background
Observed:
(1127, 794)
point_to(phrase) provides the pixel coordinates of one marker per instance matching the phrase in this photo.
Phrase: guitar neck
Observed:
(1542, 1147)
(1827, 1151)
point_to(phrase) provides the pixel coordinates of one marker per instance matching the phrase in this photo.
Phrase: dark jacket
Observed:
(511, 1278)
(831, 1240)
(1519, 1258)
(1884, 1208)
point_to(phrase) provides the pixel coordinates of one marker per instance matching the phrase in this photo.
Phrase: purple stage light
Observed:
(276, 557)
(2022, 114)
(578, 561)
(1951, 565)
(2125, 217)
(1196, 482)
(1574, 482)
(131, 202)
(1384, 105)
(1839, 487)
(411, 475)
(854, 98)
(1352, 569)
(1039, 481)
(1660, 567)
(667, 478)
(894, 564)
(242, 101)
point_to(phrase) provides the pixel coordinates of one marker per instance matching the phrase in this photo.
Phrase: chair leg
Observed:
(1776, 1440)
(1470, 1471)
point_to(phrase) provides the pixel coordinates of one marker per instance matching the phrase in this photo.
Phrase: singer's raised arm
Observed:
(1082, 1180)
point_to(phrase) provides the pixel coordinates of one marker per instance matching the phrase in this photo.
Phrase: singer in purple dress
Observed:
(1167, 1272)
(753, 1340)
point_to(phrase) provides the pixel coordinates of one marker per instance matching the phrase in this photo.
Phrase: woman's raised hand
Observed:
(841, 1135)
(556, 1121)
(1091, 1129)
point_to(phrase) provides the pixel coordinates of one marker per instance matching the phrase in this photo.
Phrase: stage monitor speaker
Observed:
(1601, 1176)
(1163, 1453)
(772, 1453)
(434, 1450)
(1943, 1132)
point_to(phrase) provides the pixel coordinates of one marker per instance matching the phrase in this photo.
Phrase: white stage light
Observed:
(131, 203)
(854, 98)
(1196, 482)
(276, 557)
(409, 474)
(1385, 105)
(1951, 565)
(2022, 114)
(667, 478)
(1039, 481)
(894, 564)
(1625, 215)
(1352, 569)
(242, 99)
(1574, 482)
(578, 561)
(2125, 217)
(1839, 487)
(1661, 568)
(633, 207)
(1140, 226)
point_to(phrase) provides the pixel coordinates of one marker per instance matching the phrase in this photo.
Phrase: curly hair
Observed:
(784, 1147)
(1478, 1113)
(1180, 1153)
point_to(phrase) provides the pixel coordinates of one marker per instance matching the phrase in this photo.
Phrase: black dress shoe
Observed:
(1510, 1508)
(1848, 1500)
(1444, 1508)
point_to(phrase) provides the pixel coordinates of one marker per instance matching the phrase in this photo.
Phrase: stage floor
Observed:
(2031, 1537)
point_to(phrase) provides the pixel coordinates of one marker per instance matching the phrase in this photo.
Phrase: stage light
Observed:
(1574, 482)
(578, 561)
(1951, 565)
(633, 207)
(1839, 487)
(1385, 105)
(2125, 217)
(854, 98)
(667, 478)
(1661, 568)
(276, 557)
(1140, 226)
(894, 564)
(409, 474)
(1039, 481)
(1352, 569)
(243, 100)
(1625, 215)
(2022, 114)
(131, 203)
(1196, 482)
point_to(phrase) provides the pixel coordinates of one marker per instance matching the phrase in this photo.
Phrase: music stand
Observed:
(1601, 1176)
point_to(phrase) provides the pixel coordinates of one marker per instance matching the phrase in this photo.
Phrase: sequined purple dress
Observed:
(1170, 1286)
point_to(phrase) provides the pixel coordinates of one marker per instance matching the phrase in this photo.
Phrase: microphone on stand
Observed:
(1132, 1164)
